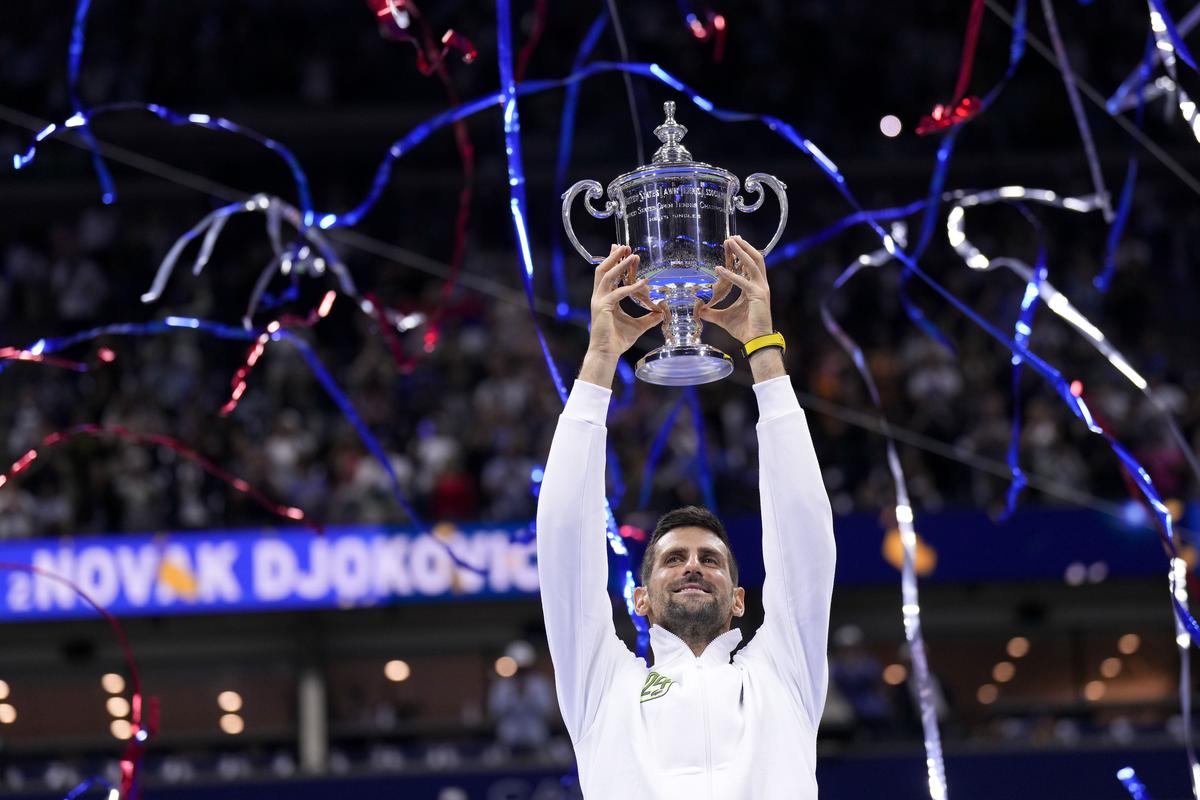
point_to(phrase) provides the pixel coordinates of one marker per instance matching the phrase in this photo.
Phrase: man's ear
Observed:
(641, 600)
(739, 601)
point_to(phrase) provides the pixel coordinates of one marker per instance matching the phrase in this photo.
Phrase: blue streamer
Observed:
(81, 119)
(108, 194)
(936, 183)
(95, 780)
(1104, 279)
(628, 380)
(700, 463)
(1129, 779)
(1181, 49)
(786, 252)
(1022, 331)
(566, 138)
(655, 453)
(517, 206)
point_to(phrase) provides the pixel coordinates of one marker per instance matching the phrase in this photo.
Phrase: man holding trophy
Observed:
(702, 723)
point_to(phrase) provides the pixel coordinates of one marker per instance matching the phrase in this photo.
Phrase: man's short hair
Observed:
(687, 517)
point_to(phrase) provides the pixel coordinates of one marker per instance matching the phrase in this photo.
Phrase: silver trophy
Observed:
(676, 213)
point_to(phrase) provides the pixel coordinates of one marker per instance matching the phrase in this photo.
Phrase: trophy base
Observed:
(684, 366)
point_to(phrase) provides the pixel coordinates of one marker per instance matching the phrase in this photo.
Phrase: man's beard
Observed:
(694, 622)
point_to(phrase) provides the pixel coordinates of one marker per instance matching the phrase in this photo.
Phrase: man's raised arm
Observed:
(799, 552)
(572, 560)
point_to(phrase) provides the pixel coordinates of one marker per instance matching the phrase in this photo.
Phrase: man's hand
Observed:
(750, 315)
(613, 330)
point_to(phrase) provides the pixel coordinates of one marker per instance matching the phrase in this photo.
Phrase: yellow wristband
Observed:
(774, 339)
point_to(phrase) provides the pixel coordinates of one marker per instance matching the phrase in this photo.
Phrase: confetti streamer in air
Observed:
(566, 139)
(1186, 629)
(708, 26)
(1129, 779)
(1016, 52)
(1172, 49)
(517, 206)
(535, 36)
(910, 598)
(961, 107)
(143, 716)
(623, 48)
(1081, 122)
(396, 18)
(432, 61)
(313, 258)
(1023, 329)
(123, 433)
(1125, 203)
(13, 354)
(218, 330)
(95, 780)
(108, 193)
(1055, 300)
(700, 463)
(1134, 89)
(654, 455)
(83, 118)
(1161, 21)
(239, 382)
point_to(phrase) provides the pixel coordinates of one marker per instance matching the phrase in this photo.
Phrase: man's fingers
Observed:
(648, 321)
(643, 297)
(710, 314)
(614, 256)
(740, 281)
(754, 264)
(615, 272)
(721, 290)
(626, 291)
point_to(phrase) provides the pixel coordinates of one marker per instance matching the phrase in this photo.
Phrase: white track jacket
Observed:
(707, 728)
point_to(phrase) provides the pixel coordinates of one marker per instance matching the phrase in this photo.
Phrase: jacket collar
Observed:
(669, 648)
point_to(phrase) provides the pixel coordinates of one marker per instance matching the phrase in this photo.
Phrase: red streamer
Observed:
(712, 28)
(944, 117)
(238, 384)
(431, 59)
(121, 432)
(395, 22)
(961, 108)
(535, 36)
(141, 729)
(16, 354)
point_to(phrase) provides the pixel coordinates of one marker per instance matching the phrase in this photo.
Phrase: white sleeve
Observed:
(573, 560)
(798, 548)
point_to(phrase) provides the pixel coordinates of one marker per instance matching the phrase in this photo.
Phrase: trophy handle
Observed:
(594, 192)
(754, 184)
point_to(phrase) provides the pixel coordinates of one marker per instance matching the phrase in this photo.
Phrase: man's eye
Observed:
(672, 559)
(711, 560)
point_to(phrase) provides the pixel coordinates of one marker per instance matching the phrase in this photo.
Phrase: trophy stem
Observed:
(682, 327)
(683, 360)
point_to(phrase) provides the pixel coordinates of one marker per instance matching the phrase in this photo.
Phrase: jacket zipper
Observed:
(707, 733)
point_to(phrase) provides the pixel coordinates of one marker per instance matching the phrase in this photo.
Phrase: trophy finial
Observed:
(671, 133)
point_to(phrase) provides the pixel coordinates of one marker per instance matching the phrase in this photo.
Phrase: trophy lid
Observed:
(672, 159)
(671, 134)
